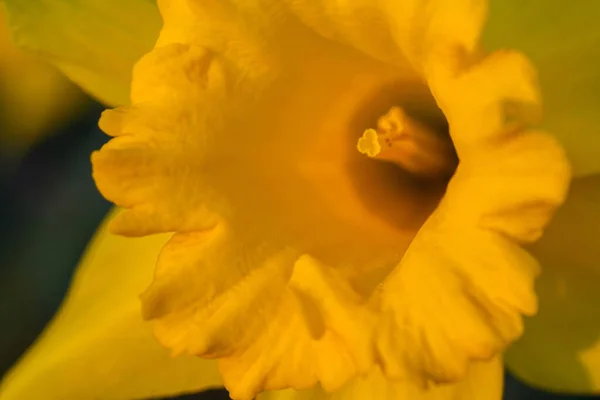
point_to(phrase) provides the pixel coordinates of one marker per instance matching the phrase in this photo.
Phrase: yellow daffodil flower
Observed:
(343, 198)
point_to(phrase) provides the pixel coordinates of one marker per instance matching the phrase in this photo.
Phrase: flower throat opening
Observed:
(411, 145)
(402, 164)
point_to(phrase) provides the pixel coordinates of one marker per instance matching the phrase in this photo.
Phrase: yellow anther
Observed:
(410, 144)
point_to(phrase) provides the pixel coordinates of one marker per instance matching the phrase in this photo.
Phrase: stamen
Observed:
(410, 144)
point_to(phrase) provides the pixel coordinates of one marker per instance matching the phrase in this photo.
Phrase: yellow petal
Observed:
(98, 347)
(396, 32)
(34, 96)
(509, 181)
(562, 43)
(94, 42)
(274, 320)
(483, 381)
(480, 282)
(560, 349)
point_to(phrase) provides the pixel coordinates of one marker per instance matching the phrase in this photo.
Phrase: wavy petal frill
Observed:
(467, 255)
(560, 349)
(94, 42)
(563, 43)
(288, 263)
(483, 381)
(98, 347)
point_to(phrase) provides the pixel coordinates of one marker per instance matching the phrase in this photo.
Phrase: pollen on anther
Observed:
(369, 143)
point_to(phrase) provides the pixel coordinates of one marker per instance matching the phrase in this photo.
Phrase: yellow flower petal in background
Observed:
(98, 347)
(94, 42)
(563, 42)
(560, 349)
(483, 381)
(34, 97)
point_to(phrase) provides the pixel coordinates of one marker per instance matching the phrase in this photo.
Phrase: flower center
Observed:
(405, 156)
(410, 144)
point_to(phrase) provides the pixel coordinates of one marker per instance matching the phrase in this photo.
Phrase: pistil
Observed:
(410, 144)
